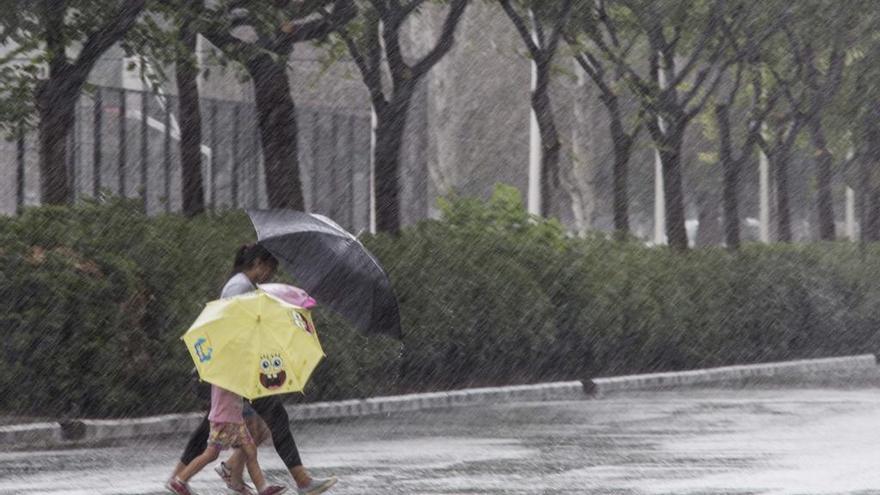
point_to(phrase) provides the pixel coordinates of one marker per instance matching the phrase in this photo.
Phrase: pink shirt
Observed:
(225, 406)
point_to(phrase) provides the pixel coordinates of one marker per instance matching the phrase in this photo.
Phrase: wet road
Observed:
(698, 442)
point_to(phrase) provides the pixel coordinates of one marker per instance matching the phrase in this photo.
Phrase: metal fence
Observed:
(125, 143)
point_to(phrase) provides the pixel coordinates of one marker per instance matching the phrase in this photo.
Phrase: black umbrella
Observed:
(332, 266)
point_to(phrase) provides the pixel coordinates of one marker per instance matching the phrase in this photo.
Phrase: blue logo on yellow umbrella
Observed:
(202, 353)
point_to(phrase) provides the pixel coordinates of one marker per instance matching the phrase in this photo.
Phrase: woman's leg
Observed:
(272, 411)
(195, 446)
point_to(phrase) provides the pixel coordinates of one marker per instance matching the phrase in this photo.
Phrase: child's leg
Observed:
(256, 474)
(208, 456)
(236, 462)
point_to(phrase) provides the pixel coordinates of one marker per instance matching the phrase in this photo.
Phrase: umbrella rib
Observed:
(245, 309)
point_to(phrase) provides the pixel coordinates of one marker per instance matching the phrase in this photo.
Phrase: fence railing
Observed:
(125, 143)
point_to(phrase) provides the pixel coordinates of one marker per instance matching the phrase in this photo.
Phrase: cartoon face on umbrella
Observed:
(272, 374)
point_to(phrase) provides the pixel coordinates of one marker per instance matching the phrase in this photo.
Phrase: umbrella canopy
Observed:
(332, 266)
(289, 294)
(254, 345)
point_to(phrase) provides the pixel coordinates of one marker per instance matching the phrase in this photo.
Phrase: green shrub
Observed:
(95, 298)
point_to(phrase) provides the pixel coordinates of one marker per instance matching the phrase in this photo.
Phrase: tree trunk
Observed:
(731, 169)
(709, 228)
(783, 212)
(622, 150)
(870, 177)
(869, 209)
(391, 123)
(187, 74)
(871, 224)
(56, 105)
(621, 190)
(276, 118)
(550, 145)
(670, 156)
(823, 179)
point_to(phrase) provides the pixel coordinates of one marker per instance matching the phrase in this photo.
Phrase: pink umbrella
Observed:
(290, 294)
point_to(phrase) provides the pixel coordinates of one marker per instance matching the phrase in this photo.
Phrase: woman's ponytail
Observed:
(241, 259)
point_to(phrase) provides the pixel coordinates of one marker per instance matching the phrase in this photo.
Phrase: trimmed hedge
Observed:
(95, 298)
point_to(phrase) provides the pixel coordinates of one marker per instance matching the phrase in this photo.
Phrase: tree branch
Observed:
(400, 70)
(689, 114)
(382, 10)
(410, 7)
(108, 34)
(595, 73)
(785, 87)
(368, 65)
(233, 47)
(559, 24)
(731, 96)
(343, 12)
(606, 20)
(445, 41)
(521, 28)
(52, 13)
(639, 84)
(538, 29)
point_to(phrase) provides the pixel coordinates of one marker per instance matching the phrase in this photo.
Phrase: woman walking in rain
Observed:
(255, 265)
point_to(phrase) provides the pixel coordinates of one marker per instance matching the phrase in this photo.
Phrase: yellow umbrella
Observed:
(254, 345)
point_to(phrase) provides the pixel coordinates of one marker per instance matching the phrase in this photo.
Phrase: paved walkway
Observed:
(792, 441)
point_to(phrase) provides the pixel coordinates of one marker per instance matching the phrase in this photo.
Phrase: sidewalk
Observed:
(92, 432)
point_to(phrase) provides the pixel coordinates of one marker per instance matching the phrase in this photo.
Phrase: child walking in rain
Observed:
(228, 430)
(253, 264)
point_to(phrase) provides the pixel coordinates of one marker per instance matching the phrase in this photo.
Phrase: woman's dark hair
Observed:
(248, 254)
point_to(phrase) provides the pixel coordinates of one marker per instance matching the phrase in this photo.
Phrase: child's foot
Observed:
(240, 488)
(316, 486)
(174, 485)
(273, 490)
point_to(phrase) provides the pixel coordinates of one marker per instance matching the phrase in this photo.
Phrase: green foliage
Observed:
(58, 40)
(95, 299)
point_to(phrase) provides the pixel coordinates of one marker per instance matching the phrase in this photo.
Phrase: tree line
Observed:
(769, 76)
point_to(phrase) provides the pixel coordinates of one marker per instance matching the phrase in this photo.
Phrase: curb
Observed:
(91, 432)
(98, 430)
(786, 369)
(435, 400)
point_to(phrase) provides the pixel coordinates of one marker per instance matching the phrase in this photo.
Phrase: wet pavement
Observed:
(779, 441)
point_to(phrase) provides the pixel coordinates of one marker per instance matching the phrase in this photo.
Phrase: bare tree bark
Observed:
(731, 172)
(276, 119)
(186, 75)
(824, 161)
